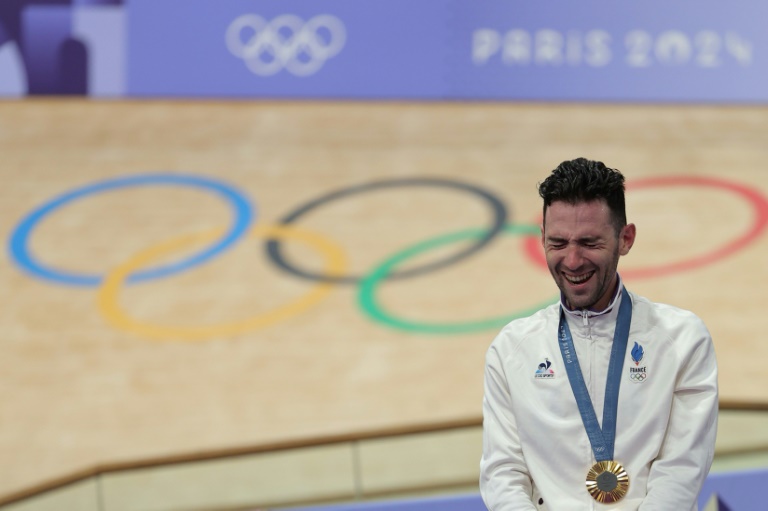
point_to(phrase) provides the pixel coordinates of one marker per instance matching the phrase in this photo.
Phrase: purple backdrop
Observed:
(592, 50)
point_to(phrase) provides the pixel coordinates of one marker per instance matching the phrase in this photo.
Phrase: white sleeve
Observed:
(678, 473)
(505, 484)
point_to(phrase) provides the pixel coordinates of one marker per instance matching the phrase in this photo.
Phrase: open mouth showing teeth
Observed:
(579, 279)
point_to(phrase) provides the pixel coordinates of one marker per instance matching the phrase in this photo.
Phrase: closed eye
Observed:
(591, 243)
(556, 243)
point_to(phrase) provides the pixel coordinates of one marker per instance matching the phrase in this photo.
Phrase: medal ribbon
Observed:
(602, 440)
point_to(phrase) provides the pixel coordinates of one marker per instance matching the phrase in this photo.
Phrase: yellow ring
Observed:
(108, 295)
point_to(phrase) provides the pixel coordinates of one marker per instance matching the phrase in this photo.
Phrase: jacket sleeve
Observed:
(505, 484)
(678, 473)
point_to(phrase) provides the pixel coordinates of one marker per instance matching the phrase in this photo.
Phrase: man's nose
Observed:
(574, 257)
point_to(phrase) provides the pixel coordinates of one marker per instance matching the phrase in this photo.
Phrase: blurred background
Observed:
(255, 250)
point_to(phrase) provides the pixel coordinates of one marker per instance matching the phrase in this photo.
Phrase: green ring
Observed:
(367, 290)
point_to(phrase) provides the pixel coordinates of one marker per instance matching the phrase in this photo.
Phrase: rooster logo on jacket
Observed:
(544, 370)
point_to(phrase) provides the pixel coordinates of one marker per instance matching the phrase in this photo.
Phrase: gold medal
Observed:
(607, 482)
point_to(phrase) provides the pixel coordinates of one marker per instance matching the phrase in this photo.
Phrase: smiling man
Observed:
(625, 415)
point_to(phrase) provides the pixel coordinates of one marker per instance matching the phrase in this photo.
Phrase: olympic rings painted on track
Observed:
(335, 261)
(367, 291)
(755, 199)
(108, 297)
(498, 210)
(19, 242)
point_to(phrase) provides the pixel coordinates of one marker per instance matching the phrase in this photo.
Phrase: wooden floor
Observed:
(239, 352)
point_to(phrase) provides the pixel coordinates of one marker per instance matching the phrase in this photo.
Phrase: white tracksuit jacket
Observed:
(536, 453)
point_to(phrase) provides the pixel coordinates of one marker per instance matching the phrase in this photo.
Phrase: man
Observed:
(604, 400)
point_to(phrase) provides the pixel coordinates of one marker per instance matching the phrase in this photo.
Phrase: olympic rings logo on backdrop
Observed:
(142, 267)
(286, 42)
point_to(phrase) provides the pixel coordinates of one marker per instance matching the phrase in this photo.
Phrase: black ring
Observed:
(497, 206)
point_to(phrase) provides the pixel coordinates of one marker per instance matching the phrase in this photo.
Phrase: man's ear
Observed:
(627, 238)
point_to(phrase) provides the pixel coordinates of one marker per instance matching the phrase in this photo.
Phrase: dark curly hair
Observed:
(583, 180)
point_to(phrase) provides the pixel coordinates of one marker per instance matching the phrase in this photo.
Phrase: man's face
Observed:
(582, 251)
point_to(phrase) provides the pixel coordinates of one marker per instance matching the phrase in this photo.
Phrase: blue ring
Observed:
(19, 241)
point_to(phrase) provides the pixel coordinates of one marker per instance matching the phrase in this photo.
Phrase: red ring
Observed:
(533, 250)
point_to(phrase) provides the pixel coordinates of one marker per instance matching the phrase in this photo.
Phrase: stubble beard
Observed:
(587, 301)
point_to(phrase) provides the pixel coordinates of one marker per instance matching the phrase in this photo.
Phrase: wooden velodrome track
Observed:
(240, 352)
